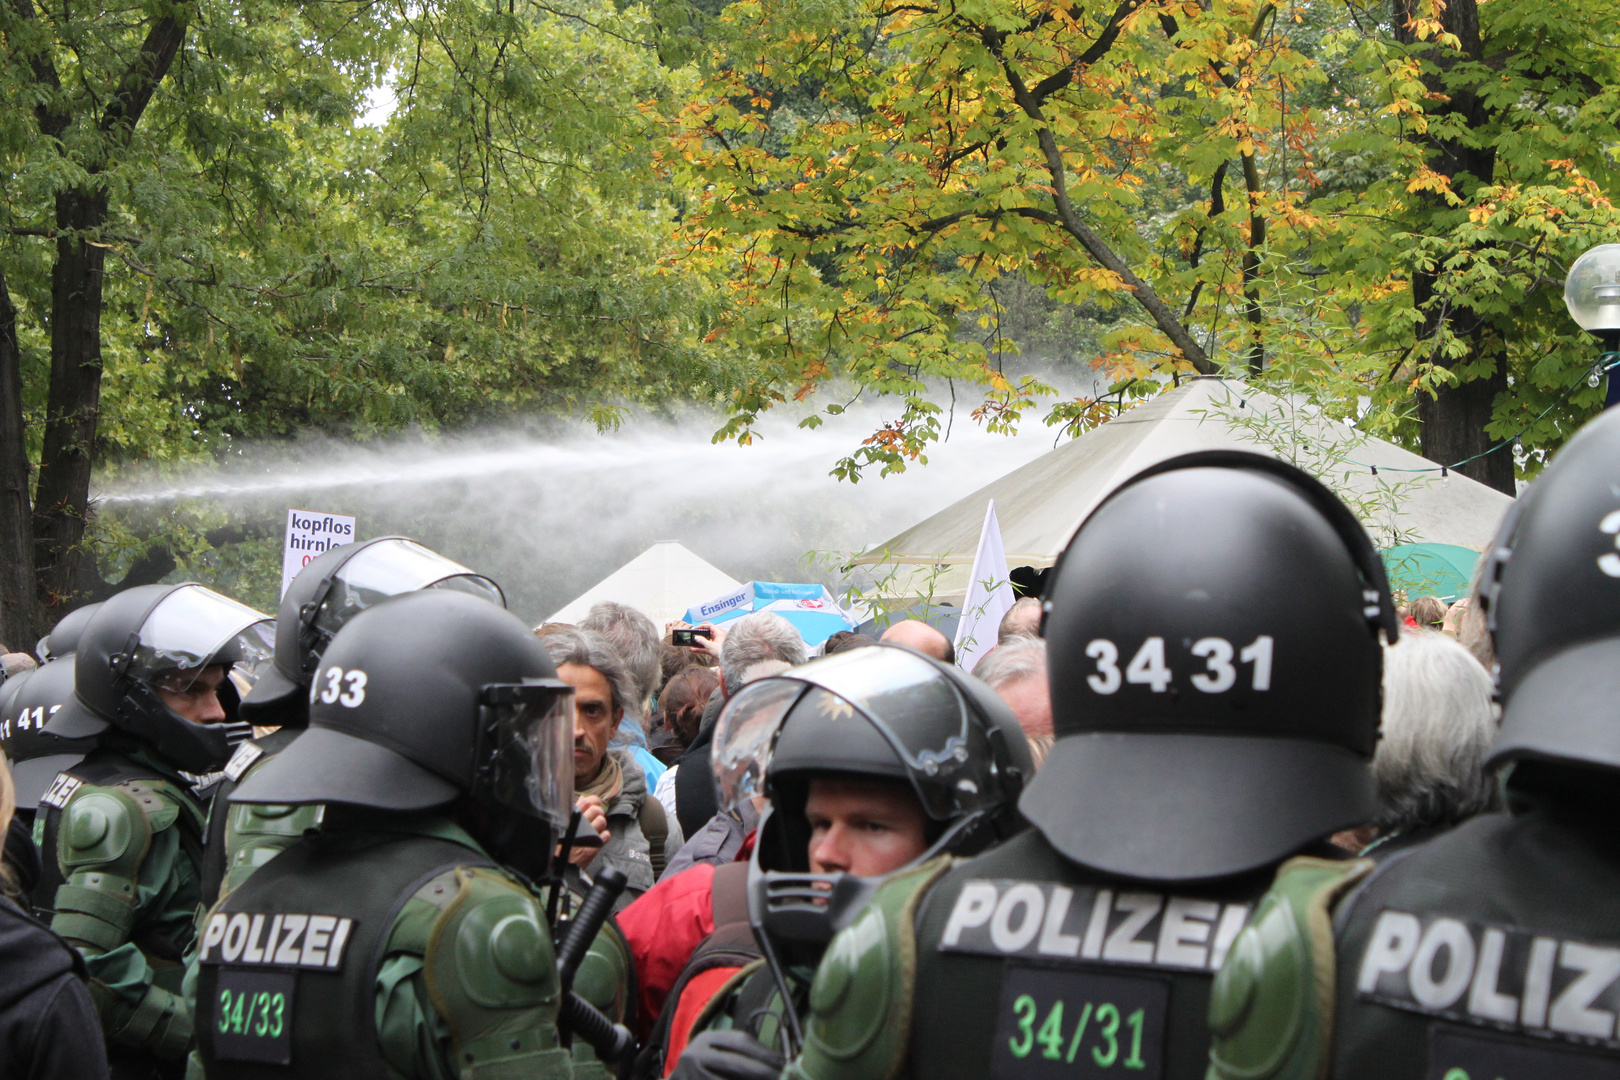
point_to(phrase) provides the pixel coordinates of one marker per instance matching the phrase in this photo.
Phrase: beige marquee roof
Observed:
(1042, 503)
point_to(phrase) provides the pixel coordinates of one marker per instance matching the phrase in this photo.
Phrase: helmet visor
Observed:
(743, 736)
(257, 653)
(194, 628)
(388, 568)
(526, 761)
(924, 718)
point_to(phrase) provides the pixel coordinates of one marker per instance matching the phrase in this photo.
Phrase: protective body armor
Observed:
(289, 961)
(244, 836)
(96, 829)
(1021, 964)
(1494, 949)
(1491, 951)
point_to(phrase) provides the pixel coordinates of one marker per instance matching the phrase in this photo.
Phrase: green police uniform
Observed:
(1019, 963)
(244, 836)
(122, 836)
(887, 715)
(1491, 951)
(419, 958)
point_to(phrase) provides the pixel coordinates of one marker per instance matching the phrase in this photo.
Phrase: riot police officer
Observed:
(877, 762)
(123, 828)
(1213, 628)
(64, 636)
(37, 757)
(27, 703)
(334, 587)
(400, 938)
(1492, 950)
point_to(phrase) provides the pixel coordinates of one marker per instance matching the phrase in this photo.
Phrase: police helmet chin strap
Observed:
(787, 908)
(792, 1028)
(198, 748)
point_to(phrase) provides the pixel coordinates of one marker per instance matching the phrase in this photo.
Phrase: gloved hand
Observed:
(728, 1055)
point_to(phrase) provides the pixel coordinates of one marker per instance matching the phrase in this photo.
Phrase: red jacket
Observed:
(664, 927)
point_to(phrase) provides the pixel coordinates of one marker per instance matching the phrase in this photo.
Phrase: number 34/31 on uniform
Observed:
(1072, 1024)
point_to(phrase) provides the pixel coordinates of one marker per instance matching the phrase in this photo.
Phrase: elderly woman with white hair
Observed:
(1437, 725)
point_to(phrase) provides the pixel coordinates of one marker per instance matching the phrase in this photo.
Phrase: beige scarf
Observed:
(607, 783)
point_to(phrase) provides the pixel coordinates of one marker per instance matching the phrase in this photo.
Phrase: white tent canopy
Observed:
(1042, 503)
(661, 582)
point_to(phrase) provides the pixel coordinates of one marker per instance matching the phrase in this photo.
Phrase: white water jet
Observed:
(549, 514)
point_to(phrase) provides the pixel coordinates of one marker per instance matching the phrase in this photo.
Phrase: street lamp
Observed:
(1592, 295)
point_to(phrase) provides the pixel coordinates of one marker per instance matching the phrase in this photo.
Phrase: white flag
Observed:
(989, 595)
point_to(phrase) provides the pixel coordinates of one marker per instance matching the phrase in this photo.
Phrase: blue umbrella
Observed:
(810, 608)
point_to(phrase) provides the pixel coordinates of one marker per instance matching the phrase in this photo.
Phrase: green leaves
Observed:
(1237, 184)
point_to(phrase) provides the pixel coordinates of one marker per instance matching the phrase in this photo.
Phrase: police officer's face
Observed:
(199, 701)
(595, 719)
(863, 827)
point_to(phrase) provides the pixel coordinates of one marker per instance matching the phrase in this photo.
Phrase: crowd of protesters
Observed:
(800, 843)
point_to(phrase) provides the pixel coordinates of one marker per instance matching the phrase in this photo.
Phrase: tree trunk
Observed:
(1453, 419)
(1453, 424)
(19, 603)
(62, 496)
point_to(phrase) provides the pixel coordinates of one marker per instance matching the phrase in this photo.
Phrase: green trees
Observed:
(208, 249)
(580, 203)
(1369, 204)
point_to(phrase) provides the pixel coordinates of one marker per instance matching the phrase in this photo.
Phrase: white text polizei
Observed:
(1042, 919)
(1496, 976)
(283, 940)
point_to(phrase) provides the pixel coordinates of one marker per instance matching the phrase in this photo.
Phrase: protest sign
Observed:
(310, 532)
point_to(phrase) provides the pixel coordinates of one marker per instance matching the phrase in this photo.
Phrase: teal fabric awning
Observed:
(1439, 570)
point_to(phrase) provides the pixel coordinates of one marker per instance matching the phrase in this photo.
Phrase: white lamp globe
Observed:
(1592, 289)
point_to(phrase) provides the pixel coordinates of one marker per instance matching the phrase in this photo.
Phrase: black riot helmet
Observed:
(1212, 634)
(884, 712)
(64, 636)
(424, 699)
(36, 757)
(9, 688)
(334, 587)
(1552, 595)
(156, 638)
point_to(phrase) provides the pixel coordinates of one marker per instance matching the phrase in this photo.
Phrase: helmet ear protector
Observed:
(1495, 562)
(1379, 608)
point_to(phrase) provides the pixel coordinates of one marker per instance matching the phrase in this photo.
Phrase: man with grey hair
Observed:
(637, 641)
(635, 638)
(741, 644)
(1436, 728)
(610, 789)
(1016, 669)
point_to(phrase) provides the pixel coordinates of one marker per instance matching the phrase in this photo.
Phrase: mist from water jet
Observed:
(550, 509)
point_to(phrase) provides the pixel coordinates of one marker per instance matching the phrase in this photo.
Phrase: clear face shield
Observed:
(905, 697)
(525, 769)
(166, 700)
(947, 756)
(193, 629)
(388, 568)
(743, 736)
